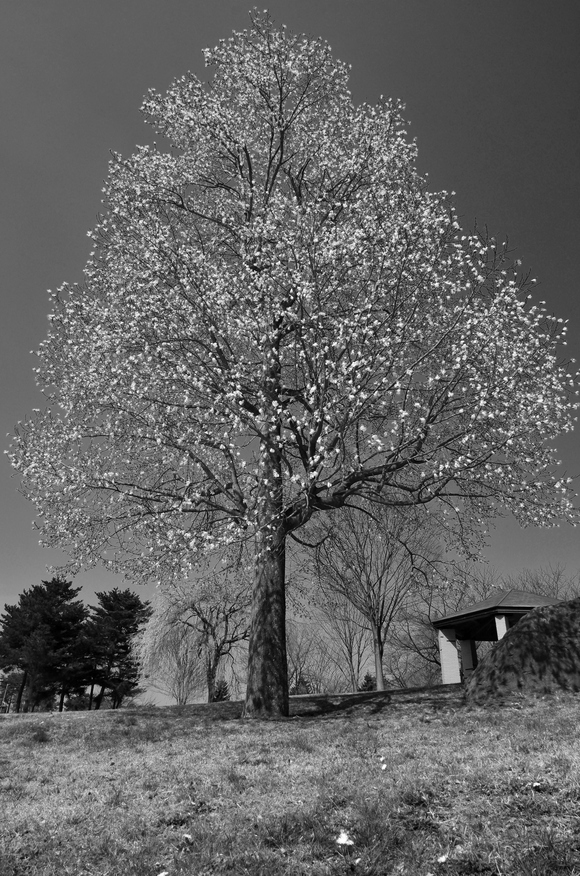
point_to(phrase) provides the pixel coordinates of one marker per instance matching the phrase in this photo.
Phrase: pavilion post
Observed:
(500, 625)
(468, 656)
(450, 672)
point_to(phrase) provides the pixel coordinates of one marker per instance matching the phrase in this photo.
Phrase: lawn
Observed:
(419, 784)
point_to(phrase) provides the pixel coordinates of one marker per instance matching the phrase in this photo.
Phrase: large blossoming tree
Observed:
(279, 319)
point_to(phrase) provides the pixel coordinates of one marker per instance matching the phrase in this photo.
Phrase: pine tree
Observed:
(368, 683)
(42, 636)
(110, 632)
(221, 691)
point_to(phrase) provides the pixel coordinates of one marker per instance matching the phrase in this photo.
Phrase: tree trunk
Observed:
(21, 690)
(6, 699)
(91, 696)
(61, 701)
(351, 670)
(267, 689)
(378, 649)
(210, 674)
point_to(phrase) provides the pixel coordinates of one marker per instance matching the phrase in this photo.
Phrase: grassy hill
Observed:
(419, 783)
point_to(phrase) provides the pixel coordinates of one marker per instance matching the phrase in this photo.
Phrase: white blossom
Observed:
(278, 314)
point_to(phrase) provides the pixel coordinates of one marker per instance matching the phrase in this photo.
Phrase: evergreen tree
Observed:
(42, 637)
(369, 683)
(10, 683)
(110, 632)
(222, 691)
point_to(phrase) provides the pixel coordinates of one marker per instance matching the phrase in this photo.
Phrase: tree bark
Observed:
(378, 649)
(351, 669)
(211, 673)
(267, 689)
(21, 690)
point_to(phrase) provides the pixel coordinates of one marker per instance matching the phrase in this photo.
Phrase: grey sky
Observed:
(492, 92)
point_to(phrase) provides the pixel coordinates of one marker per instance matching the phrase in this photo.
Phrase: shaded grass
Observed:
(420, 786)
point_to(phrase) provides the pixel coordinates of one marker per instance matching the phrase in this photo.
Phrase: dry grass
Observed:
(421, 785)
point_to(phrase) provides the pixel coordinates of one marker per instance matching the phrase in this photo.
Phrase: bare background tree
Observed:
(373, 557)
(198, 625)
(312, 664)
(169, 654)
(412, 657)
(349, 638)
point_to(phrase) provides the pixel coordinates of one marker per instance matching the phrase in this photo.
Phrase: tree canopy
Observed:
(279, 319)
(58, 645)
(42, 636)
(110, 632)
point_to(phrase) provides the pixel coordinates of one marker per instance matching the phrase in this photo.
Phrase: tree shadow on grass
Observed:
(316, 705)
(334, 705)
(373, 702)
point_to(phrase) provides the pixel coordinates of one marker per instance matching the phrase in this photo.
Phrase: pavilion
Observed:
(486, 621)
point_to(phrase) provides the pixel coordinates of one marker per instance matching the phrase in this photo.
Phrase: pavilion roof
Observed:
(500, 601)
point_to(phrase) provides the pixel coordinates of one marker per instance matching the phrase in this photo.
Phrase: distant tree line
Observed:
(56, 652)
(330, 643)
(364, 591)
(363, 602)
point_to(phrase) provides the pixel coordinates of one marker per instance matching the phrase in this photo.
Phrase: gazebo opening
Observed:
(486, 621)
